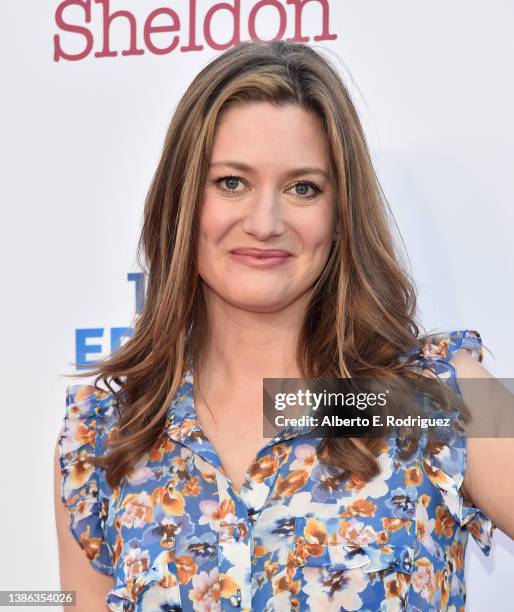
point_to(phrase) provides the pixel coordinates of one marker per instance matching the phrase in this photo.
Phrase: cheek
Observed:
(214, 223)
(316, 234)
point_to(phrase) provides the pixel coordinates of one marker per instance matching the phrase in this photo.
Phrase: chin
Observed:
(255, 301)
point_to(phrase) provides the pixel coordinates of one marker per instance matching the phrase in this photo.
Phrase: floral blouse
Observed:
(176, 535)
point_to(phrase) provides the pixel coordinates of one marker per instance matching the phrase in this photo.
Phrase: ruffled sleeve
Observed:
(445, 465)
(84, 490)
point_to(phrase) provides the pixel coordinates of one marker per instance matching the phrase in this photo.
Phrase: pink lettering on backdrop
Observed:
(281, 15)
(236, 16)
(107, 20)
(58, 52)
(98, 16)
(149, 29)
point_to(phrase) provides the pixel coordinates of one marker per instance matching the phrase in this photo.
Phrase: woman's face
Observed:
(269, 187)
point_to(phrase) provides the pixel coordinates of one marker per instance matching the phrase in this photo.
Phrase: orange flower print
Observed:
(90, 544)
(423, 580)
(205, 591)
(361, 507)
(80, 472)
(186, 568)
(192, 487)
(138, 510)
(412, 476)
(171, 499)
(294, 481)
(305, 457)
(356, 534)
(135, 562)
(263, 467)
(210, 514)
(444, 522)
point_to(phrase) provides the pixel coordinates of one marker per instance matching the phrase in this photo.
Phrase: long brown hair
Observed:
(362, 311)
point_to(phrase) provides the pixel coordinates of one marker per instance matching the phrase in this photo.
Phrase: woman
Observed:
(269, 254)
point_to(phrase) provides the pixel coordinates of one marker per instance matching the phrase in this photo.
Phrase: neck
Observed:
(243, 347)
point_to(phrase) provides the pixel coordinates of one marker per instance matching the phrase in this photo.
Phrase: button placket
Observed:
(235, 547)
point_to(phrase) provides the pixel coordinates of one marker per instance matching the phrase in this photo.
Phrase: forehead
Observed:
(262, 132)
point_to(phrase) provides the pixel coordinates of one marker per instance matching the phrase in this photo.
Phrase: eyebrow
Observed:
(295, 172)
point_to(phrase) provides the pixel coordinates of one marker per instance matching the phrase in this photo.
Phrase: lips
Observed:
(262, 252)
(260, 258)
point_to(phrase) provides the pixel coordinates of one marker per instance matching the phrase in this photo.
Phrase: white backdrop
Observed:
(80, 140)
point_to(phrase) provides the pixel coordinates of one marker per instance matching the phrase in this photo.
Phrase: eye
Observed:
(230, 180)
(304, 186)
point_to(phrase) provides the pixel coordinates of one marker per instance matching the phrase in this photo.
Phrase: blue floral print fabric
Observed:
(176, 535)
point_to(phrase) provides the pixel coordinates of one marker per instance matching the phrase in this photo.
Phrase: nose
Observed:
(264, 217)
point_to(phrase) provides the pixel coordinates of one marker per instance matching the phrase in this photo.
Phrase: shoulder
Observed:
(446, 345)
(454, 355)
(88, 400)
(89, 418)
(488, 447)
(90, 413)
